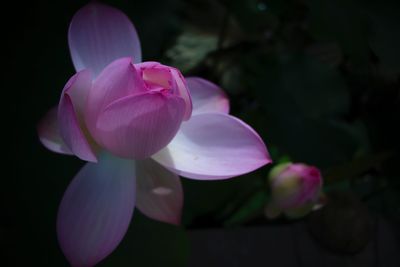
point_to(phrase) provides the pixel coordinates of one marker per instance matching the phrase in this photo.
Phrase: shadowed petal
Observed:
(49, 133)
(117, 80)
(96, 210)
(157, 76)
(138, 126)
(214, 146)
(78, 88)
(71, 128)
(99, 34)
(206, 96)
(159, 192)
(183, 92)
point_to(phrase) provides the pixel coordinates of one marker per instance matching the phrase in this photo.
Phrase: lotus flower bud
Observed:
(295, 189)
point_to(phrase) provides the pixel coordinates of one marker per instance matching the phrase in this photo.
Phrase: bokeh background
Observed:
(318, 79)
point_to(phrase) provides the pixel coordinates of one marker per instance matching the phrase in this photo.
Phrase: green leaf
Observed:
(302, 82)
(317, 89)
(341, 21)
(300, 101)
(190, 48)
(217, 199)
(251, 208)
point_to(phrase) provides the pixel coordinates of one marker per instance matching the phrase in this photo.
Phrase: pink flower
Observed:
(137, 126)
(295, 189)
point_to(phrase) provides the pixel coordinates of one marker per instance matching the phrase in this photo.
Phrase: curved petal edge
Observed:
(99, 34)
(212, 146)
(71, 128)
(49, 134)
(207, 97)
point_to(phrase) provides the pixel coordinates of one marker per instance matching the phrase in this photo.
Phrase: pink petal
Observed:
(71, 128)
(159, 192)
(140, 125)
(99, 34)
(78, 87)
(96, 210)
(206, 96)
(313, 184)
(49, 134)
(214, 146)
(308, 187)
(156, 76)
(183, 92)
(117, 80)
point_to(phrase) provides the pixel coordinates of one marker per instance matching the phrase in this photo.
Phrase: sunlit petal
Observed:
(214, 146)
(207, 96)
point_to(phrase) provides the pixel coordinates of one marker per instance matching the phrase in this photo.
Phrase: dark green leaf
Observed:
(249, 209)
(341, 21)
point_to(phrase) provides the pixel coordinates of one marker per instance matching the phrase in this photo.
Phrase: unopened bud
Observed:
(295, 189)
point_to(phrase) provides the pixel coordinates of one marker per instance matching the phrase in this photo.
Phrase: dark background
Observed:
(318, 79)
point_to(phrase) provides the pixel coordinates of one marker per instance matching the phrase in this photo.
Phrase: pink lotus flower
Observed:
(137, 126)
(295, 189)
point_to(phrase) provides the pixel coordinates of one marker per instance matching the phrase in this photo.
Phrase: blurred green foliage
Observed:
(317, 79)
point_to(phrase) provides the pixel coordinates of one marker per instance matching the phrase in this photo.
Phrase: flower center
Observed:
(158, 80)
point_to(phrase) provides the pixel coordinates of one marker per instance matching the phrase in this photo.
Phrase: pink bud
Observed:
(295, 189)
